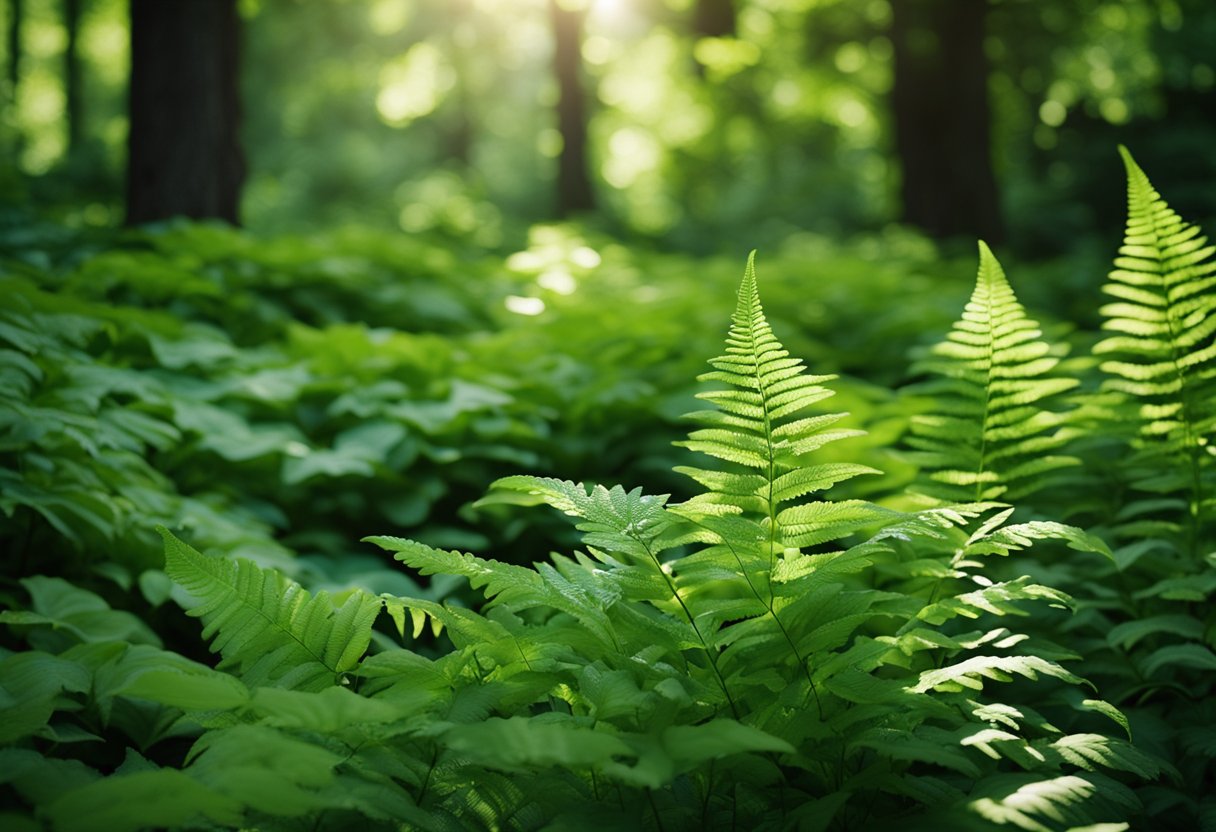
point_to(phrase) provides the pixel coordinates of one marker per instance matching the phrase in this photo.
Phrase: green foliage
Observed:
(865, 685)
(1160, 360)
(759, 635)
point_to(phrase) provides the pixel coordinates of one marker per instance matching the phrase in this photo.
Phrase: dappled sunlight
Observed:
(557, 258)
(413, 85)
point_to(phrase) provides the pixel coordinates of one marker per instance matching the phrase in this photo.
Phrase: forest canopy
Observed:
(688, 121)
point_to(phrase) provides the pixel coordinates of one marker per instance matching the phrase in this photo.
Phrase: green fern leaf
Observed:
(1094, 752)
(1129, 633)
(263, 768)
(1029, 802)
(993, 434)
(270, 627)
(623, 524)
(761, 422)
(970, 673)
(517, 743)
(510, 586)
(1162, 359)
(515, 584)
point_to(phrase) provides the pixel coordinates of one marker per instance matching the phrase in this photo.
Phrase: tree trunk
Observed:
(940, 107)
(574, 192)
(73, 92)
(184, 155)
(458, 137)
(714, 19)
(16, 15)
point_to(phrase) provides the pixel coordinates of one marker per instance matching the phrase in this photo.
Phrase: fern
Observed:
(1147, 633)
(991, 435)
(268, 627)
(1162, 357)
(754, 426)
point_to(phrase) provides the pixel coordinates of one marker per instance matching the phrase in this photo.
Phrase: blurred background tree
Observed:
(183, 153)
(697, 123)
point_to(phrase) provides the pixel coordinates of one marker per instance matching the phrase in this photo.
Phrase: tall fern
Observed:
(993, 432)
(1162, 355)
(1150, 628)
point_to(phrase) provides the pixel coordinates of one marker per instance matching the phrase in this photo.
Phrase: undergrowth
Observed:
(795, 641)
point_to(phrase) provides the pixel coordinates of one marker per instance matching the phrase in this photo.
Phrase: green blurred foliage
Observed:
(426, 116)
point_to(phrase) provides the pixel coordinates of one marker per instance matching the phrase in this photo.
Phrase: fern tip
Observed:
(1129, 162)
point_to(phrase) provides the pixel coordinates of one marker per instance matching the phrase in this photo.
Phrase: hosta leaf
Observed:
(61, 606)
(188, 691)
(325, 711)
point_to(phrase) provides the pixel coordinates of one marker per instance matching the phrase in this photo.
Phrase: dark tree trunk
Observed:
(574, 192)
(714, 19)
(16, 15)
(71, 75)
(184, 155)
(458, 137)
(940, 106)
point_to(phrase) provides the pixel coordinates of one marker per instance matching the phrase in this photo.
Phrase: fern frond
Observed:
(619, 526)
(271, 628)
(1027, 801)
(1162, 358)
(761, 423)
(992, 433)
(510, 586)
(971, 673)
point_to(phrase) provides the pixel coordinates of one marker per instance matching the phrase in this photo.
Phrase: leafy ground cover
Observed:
(765, 632)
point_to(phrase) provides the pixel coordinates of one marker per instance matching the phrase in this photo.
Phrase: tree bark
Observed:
(941, 112)
(714, 19)
(184, 154)
(16, 16)
(459, 133)
(72, 84)
(574, 193)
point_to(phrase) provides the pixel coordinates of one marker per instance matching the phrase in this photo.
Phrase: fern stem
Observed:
(1189, 439)
(772, 473)
(989, 368)
(675, 593)
(655, 809)
(426, 782)
(27, 544)
(519, 649)
(772, 611)
(1185, 389)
